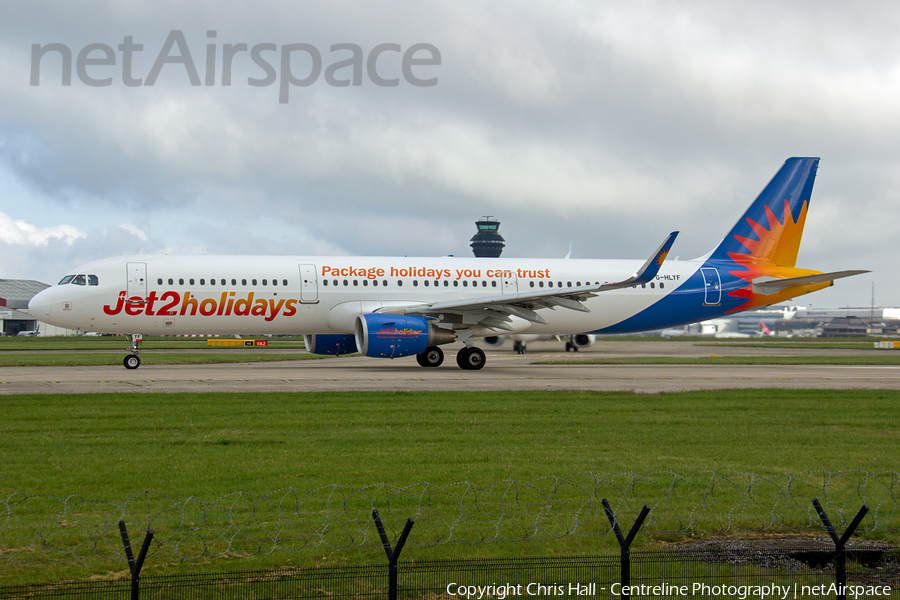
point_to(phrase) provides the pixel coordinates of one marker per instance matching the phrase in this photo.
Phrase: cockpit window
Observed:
(93, 280)
(79, 280)
(65, 280)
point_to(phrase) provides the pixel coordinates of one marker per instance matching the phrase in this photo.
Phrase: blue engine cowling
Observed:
(331, 345)
(393, 336)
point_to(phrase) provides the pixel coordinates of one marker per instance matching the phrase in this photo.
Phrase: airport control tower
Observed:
(487, 243)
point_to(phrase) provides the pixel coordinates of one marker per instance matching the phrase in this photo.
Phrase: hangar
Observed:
(14, 297)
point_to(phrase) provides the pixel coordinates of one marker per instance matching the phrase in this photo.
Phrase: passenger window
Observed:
(202, 282)
(661, 285)
(265, 281)
(427, 283)
(465, 284)
(284, 282)
(171, 281)
(346, 283)
(191, 280)
(455, 283)
(652, 285)
(384, 282)
(234, 282)
(446, 283)
(493, 284)
(253, 281)
(375, 282)
(399, 283)
(159, 281)
(541, 284)
(66, 280)
(355, 282)
(274, 282)
(325, 282)
(180, 281)
(223, 282)
(93, 280)
(335, 282)
(549, 284)
(243, 282)
(365, 283)
(212, 282)
(484, 284)
(532, 283)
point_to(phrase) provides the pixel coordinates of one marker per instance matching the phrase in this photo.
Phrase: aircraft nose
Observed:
(39, 305)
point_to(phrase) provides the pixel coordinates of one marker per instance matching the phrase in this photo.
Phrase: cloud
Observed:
(607, 125)
(20, 233)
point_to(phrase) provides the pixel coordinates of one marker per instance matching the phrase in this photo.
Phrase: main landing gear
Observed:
(133, 361)
(432, 357)
(470, 358)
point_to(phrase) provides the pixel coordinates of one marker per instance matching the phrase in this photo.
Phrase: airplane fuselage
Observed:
(248, 295)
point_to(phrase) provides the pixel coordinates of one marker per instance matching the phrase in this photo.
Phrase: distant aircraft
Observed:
(395, 307)
(764, 331)
(520, 341)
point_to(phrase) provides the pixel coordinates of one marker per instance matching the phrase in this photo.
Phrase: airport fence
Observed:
(40, 527)
(760, 568)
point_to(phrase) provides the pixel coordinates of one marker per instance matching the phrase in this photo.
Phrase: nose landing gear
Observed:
(133, 361)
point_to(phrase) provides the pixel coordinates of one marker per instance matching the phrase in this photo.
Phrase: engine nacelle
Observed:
(494, 341)
(393, 336)
(330, 345)
(583, 340)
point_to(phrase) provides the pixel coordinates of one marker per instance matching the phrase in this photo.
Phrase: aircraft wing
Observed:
(495, 311)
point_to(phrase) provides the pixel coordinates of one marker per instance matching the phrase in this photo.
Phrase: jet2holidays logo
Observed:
(298, 64)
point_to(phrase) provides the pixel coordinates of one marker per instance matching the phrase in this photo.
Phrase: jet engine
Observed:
(580, 340)
(494, 341)
(331, 345)
(393, 336)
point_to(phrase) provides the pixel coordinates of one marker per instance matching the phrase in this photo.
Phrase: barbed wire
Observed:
(338, 517)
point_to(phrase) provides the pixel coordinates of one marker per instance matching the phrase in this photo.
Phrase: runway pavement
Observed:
(504, 371)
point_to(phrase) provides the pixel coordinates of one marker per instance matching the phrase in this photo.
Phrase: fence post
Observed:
(135, 565)
(392, 555)
(625, 544)
(840, 556)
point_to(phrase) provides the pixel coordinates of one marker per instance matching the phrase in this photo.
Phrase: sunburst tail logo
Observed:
(766, 239)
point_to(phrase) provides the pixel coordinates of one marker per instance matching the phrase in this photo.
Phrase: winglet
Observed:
(650, 268)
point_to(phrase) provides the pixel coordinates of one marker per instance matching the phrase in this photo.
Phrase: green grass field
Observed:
(111, 446)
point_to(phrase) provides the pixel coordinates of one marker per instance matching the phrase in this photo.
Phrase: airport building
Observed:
(14, 297)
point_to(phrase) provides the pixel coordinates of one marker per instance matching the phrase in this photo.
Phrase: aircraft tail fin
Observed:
(770, 230)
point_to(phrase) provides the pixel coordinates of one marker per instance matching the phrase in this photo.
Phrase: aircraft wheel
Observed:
(132, 361)
(470, 359)
(432, 357)
(568, 346)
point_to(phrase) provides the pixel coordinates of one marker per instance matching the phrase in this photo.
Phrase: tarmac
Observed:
(504, 370)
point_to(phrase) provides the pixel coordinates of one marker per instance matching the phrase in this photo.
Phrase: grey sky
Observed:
(606, 125)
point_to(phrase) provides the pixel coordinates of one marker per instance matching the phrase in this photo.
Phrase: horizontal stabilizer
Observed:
(768, 285)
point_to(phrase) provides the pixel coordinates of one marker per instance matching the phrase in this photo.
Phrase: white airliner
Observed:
(395, 307)
(520, 341)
